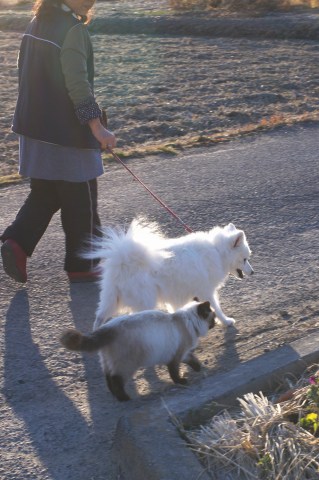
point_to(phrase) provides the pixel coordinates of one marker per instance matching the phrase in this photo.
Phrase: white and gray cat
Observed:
(145, 339)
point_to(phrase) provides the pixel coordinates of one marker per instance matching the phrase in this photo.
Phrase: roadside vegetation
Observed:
(243, 5)
(265, 438)
(227, 5)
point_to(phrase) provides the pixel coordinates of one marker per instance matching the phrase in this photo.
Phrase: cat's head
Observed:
(205, 312)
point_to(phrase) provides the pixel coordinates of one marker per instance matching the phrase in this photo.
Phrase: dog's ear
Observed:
(204, 310)
(238, 239)
(230, 227)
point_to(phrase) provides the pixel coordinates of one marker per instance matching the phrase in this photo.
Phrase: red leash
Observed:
(117, 158)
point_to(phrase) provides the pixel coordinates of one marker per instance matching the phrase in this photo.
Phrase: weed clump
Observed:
(242, 6)
(265, 438)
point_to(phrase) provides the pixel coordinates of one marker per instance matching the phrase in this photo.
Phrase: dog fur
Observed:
(145, 339)
(143, 270)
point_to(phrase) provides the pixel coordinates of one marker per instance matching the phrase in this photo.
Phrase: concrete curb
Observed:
(147, 445)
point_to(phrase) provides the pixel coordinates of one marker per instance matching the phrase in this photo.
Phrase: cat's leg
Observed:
(173, 370)
(108, 379)
(192, 361)
(116, 386)
(118, 390)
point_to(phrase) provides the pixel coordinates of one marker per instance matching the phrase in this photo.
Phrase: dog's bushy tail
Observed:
(140, 246)
(74, 340)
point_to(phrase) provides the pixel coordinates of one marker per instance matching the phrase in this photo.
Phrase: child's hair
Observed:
(44, 7)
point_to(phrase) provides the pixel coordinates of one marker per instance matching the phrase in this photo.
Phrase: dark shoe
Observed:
(81, 277)
(14, 261)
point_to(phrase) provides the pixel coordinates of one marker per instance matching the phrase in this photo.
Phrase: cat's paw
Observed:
(195, 365)
(182, 381)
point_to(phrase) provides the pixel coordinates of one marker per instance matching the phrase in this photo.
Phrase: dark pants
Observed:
(80, 220)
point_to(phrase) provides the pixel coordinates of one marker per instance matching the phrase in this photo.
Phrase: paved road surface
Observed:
(57, 418)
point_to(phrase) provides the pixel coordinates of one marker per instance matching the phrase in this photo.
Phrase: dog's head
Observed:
(239, 252)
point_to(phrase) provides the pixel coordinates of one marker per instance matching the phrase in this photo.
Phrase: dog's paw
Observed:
(228, 321)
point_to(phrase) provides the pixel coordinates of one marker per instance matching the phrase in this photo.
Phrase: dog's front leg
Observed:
(227, 321)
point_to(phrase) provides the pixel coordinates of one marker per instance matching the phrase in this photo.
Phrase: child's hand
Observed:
(105, 137)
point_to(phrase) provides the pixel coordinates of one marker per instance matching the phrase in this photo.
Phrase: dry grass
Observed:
(264, 439)
(5, 4)
(233, 5)
(175, 147)
(179, 145)
(243, 5)
(10, 179)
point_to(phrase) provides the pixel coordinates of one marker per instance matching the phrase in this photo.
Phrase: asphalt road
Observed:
(57, 417)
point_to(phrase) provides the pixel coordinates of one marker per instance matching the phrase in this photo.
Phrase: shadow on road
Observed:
(52, 421)
(84, 299)
(230, 350)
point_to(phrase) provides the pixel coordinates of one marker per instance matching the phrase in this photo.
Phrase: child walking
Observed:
(61, 136)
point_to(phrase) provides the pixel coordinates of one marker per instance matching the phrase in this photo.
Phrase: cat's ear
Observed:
(196, 299)
(204, 310)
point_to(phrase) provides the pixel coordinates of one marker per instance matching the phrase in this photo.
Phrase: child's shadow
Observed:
(84, 300)
(53, 423)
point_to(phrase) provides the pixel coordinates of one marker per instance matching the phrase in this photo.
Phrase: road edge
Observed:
(147, 444)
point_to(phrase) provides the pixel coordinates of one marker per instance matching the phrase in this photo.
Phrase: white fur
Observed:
(143, 270)
(154, 333)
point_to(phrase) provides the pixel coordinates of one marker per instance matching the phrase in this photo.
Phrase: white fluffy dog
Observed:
(143, 270)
